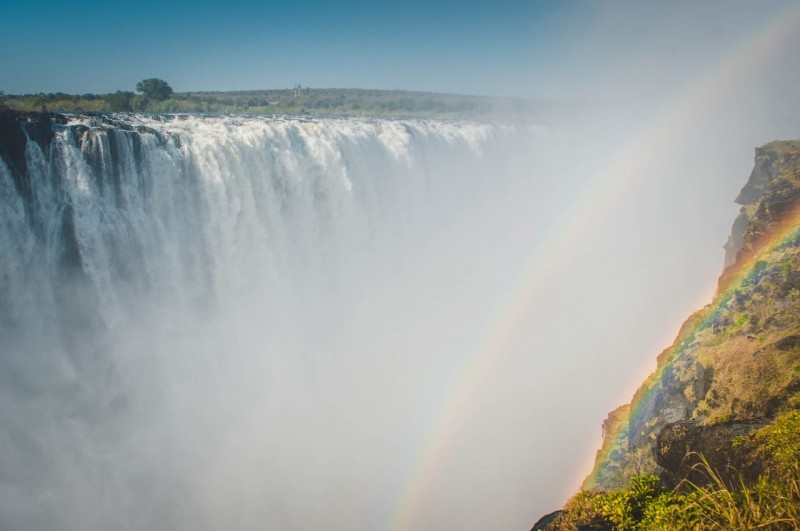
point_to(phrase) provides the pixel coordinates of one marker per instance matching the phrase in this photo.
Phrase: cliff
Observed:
(736, 363)
(711, 439)
(15, 129)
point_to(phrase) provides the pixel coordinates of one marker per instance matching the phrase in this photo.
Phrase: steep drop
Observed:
(736, 363)
(211, 322)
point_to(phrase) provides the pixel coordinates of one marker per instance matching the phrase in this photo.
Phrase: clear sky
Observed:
(566, 49)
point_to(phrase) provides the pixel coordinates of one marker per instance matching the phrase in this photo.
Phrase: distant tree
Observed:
(154, 88)
(2, 99)
(119, 100)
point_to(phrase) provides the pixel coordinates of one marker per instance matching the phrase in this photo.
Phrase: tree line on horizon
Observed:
(155, 95)
(152, 90)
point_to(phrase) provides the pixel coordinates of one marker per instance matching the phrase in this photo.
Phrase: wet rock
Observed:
(12, 142)
(16, 127)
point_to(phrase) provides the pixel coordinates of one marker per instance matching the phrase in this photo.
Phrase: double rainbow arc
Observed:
(561, 241)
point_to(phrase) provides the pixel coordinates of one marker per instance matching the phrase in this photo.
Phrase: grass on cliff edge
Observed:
(772, 503)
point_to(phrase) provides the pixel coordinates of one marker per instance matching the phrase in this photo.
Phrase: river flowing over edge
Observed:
(192, 304)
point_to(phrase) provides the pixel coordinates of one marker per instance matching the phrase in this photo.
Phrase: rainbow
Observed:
(560, 243)
(785, 233)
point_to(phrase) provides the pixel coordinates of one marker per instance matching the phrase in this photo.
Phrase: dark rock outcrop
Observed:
(543, 522)
(770, 192)
(16, 129)
(788, 343)
(724, 449)
(12, 142)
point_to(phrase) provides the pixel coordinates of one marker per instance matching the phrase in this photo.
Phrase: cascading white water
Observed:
(242, 323)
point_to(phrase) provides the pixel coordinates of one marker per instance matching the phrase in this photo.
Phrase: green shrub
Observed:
(772, 503)
(781, 442)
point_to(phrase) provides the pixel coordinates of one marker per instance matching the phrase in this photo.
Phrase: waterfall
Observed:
(216, 322)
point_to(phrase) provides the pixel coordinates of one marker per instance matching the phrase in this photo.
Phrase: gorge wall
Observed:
(735, 364)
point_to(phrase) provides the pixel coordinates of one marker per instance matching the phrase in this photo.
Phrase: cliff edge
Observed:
(736, 363)
(711, 439)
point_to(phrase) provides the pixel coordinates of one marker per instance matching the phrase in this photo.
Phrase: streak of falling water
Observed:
(243, 323)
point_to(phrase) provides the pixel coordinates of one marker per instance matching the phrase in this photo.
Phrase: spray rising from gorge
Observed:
(220, 321)
(345, 323)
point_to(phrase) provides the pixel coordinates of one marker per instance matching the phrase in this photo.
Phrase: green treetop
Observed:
(154, 88)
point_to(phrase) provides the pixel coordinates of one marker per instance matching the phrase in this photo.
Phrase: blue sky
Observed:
(514, 47)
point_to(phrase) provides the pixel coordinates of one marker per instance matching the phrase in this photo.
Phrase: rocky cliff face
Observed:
(771, 193)
(736, 363)
(15, 129)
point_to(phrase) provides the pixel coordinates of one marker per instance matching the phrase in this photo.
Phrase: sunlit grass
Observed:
(773, 502)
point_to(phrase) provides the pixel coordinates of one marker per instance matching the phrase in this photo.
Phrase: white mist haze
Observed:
(273, 319)
(264, 319)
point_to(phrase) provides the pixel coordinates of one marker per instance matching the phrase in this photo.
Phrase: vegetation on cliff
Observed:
(771, 502)
(710, 440)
